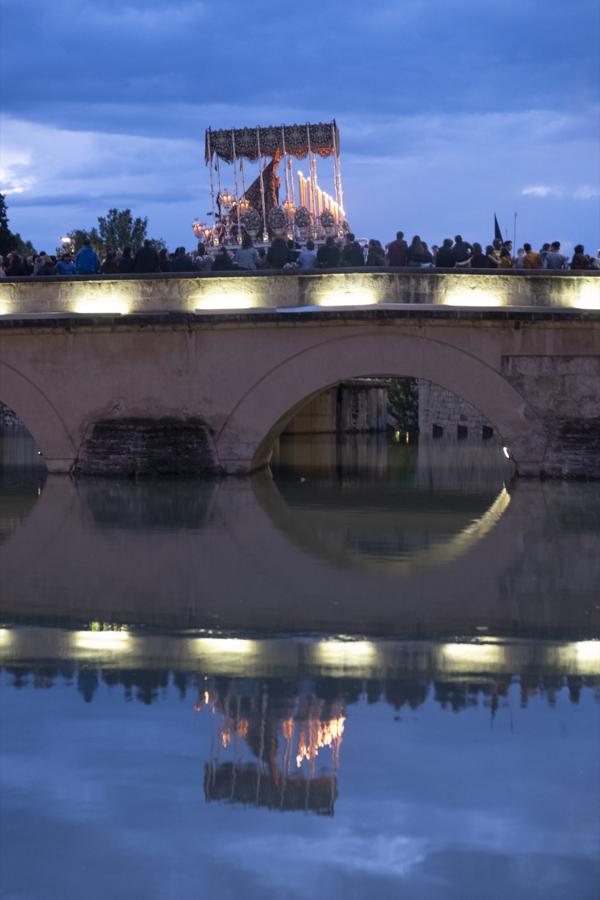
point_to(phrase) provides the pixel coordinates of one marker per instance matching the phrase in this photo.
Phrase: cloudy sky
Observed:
(448, 112)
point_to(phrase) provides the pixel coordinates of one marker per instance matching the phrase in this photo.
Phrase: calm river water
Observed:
(371, 672)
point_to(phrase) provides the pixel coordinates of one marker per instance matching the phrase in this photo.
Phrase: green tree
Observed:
(79, 237)
(8, 240)
(119, 229)
(403, 403)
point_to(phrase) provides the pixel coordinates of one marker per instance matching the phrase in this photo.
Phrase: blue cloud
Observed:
(448, 110)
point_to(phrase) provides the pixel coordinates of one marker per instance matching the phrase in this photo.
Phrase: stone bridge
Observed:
(170, 384)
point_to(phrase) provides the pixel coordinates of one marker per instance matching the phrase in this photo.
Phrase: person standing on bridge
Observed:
(532, 260)
(86, 261)
(307, 258)
(146, 259)
(397, 251)
(554, 258)
(462, 251)
(580, 258)
(418, 254)
(445, 255)
(352, 253)
(328, 254)
(246, 256)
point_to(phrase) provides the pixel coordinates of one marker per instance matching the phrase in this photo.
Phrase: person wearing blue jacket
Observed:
(65, 265)
(86, 261)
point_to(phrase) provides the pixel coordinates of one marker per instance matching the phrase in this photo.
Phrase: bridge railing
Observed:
(363, 287)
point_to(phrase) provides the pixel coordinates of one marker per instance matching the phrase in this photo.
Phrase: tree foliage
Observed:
(8, 240)
(116, 230)
(119, 229)
(79, 237)
(403, 403)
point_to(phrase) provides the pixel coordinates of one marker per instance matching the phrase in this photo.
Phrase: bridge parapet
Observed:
(270, 290)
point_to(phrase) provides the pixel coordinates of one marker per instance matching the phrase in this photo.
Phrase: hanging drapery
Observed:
(285, 166)
(252, 143)
(262, 185)
(212, 191)
(219, 186)
(235, 190)
(337, 169)
(243, 175)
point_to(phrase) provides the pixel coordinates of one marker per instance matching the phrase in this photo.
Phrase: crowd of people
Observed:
(292, 255)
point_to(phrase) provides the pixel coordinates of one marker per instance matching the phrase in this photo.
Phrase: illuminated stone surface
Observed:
(534, 374)
(181, 293)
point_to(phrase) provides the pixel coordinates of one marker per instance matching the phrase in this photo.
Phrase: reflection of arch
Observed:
(443, 551)
(183, 578)
(271, 403)
(38, 414)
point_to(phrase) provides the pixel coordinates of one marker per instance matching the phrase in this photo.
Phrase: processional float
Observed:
(307, 210)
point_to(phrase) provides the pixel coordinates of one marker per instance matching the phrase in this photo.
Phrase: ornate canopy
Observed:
(274, 140)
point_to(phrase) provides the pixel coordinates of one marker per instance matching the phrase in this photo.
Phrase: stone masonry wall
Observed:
(350, 407)
(148, 447)
(8, 418)
(443, 414)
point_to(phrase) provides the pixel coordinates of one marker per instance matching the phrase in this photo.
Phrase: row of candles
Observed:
(316, 200)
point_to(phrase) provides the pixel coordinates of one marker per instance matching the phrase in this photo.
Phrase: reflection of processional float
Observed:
(287, 735)
(306, 211)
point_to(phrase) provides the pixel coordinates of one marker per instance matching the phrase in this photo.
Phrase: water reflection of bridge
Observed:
(400, 561)
(277, 709)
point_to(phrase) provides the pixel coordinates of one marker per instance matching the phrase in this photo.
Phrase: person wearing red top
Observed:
(398, 251)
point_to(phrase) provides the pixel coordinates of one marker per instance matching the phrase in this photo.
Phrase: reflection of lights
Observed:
(316, 735)
(581, 656)
(506, 452)
(101, 640)
(112, 303)
(587, 651)
(587, 297)
(472, 654)
(346, 652)
(230, 646)
(230, 300)
(6, 637)
(357, 297)
(473, 298)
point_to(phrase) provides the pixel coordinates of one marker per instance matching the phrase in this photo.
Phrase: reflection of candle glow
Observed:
(314, 735)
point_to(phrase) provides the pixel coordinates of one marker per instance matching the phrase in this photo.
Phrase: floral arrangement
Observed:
(327, 220)
(277, 219)
(302, 217)
(251, 221)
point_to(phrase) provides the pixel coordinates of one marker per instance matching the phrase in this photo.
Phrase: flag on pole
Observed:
(497, 232)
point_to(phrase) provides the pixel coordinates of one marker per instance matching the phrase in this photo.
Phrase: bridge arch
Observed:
(41, 418)
(246, 439)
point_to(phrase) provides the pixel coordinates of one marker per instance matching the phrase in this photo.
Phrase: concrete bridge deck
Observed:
(184, 386)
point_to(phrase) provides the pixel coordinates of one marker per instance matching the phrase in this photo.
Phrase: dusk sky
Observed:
(448, 112)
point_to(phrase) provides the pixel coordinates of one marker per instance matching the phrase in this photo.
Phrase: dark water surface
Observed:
(371, 673)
